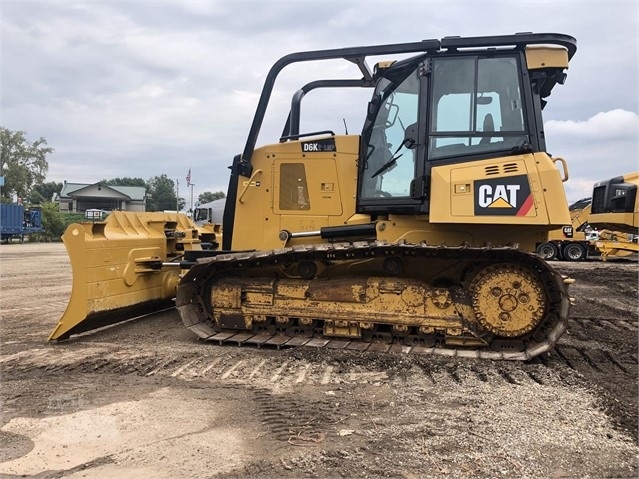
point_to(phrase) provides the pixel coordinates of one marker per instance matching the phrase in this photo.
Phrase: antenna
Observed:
(345, 127)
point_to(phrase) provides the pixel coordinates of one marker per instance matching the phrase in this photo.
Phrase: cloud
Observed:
(609, 125)
(603, 146)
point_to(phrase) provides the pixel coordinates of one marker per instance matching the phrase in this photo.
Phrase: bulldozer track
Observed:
(193, 303)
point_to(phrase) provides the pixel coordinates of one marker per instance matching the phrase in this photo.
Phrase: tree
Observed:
(44, 192)
(207, 196)
(125, 182)
(53, 224)
(161, 194)
(22, 164)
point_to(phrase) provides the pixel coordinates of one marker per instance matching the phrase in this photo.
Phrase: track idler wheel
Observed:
(508, 300)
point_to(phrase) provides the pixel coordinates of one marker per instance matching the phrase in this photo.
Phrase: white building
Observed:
(79, 197)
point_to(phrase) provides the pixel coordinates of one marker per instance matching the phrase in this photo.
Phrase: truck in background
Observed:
(16, 221)
(95, 214)
(209, 217)
(212, 212)
(606, 226)
(574, 242)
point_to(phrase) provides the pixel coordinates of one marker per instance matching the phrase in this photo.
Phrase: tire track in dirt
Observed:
(250, 366)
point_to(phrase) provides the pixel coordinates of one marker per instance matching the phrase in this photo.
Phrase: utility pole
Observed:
(177, 195)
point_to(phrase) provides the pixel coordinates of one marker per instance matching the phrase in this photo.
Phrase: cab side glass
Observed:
(478, 107)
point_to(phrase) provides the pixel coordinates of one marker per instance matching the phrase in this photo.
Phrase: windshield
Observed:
(389, 166)
(201, 214)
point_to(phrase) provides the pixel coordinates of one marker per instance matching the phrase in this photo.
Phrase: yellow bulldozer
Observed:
(615, 210)
(415, 234)
(610, 230)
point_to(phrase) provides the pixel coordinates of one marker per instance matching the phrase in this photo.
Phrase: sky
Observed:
(148, 87)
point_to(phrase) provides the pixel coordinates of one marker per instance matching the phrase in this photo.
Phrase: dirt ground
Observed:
(147, 399)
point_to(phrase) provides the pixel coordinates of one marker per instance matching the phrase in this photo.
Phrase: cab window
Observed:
(477, 107)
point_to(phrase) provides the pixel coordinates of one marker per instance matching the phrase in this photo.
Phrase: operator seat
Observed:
(489, 125)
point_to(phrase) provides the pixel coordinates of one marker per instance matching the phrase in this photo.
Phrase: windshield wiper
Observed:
(387, 165)
(392, 161)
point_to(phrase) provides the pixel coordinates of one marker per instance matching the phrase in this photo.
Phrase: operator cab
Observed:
(445, 107)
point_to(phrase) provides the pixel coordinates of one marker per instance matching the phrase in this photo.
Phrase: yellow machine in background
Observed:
(615, 204)
(582, 239)
(615, 208)
(412, 234)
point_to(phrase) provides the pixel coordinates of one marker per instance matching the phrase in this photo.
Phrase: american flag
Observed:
(188, 178)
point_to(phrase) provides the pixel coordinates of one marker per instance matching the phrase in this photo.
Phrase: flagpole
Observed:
(192, 211)
(188, 183)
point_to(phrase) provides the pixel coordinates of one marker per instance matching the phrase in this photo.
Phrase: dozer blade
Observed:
(120, 268)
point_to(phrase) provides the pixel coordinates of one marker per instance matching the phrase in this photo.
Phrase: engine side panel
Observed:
(516, 190)
(295, 190)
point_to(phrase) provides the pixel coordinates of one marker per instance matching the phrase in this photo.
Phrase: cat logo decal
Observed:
(508, 196)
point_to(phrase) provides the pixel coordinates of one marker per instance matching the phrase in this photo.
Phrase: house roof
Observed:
(135, 193)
